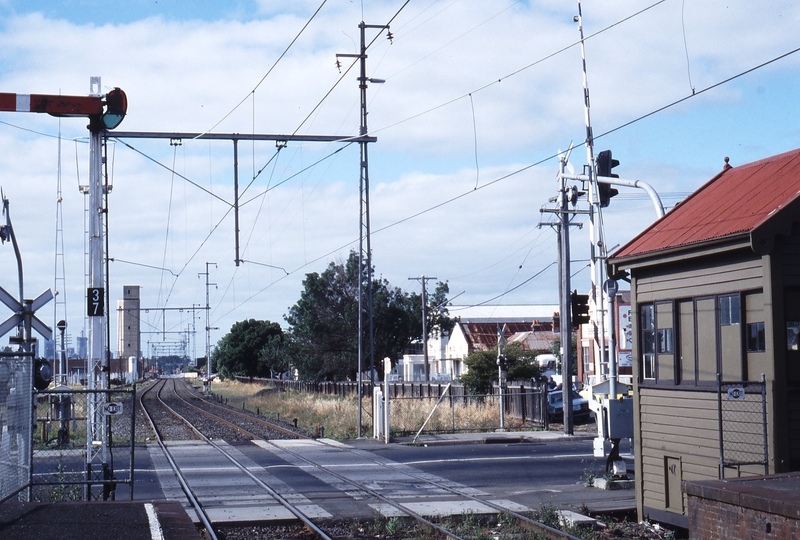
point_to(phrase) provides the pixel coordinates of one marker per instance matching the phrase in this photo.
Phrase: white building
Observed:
(477, 329)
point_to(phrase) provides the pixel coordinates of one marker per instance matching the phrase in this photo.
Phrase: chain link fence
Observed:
(742, 408)
(16, 384)
(60, 468)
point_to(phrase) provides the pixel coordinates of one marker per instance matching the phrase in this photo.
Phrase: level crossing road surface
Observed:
(519, 472)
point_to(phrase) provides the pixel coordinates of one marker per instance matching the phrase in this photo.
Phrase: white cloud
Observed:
(185, 75)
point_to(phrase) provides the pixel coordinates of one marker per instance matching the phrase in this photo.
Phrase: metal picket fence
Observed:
(459, 412)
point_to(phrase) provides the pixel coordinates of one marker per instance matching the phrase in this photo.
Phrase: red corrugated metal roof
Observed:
(735, 201)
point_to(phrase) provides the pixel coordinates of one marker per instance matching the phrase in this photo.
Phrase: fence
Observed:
(464, 413)
(742, 408)
(524, 405)
(16, 386)
(59, 468)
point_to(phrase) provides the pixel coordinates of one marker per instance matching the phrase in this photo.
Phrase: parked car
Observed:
(555, 407)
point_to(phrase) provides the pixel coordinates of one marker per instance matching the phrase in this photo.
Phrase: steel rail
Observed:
(549, 533)
(417, 517)
(274, 494)
(184, 486)
(249, 417)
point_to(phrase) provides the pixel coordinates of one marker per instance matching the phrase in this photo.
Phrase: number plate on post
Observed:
(95, 301)
(112, 408)
(736, 394)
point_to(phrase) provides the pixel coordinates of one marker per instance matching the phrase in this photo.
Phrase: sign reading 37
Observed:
(95, 301)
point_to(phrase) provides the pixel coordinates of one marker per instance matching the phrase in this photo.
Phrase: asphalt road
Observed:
(530, 473)
(533, 473)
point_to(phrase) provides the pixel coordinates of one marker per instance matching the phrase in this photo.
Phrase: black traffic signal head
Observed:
(605, 163)
(502, 361)
(580, 309)
(42, 374)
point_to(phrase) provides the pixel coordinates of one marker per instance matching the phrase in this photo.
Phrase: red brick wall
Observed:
(715, 520)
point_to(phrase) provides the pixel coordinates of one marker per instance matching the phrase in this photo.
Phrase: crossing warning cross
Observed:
(20, 311)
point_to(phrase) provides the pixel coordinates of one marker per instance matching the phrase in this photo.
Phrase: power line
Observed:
(522, 169)
(520, 70)
(253, 91)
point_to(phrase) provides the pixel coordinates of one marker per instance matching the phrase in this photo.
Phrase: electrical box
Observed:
(620, 418)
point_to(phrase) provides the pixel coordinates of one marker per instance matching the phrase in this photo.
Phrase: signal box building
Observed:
(715, 309)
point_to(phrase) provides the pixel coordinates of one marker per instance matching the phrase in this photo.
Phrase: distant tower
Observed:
(60, 285)
(129, 341)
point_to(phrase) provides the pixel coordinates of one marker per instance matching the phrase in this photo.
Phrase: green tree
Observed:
(324, 322)
(276, 355)
(239, 351)
(482, 367)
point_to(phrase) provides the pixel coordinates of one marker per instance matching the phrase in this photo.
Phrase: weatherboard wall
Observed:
(677, 427)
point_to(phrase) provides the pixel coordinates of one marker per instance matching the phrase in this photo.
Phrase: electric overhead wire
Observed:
(486, 86)
(534, 276)
(195, 184)
(431, 53)
(253, 91)
(525, 168)
(327, 94)
(169, 217)
(341, 78)
(518, 71)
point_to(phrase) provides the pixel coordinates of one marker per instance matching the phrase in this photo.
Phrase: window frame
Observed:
(730, 309)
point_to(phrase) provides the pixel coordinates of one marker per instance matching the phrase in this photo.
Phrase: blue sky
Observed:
(98, 12)
(475, 94)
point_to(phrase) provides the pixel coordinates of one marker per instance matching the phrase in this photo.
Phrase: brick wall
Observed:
(754, 508)
(715, 520)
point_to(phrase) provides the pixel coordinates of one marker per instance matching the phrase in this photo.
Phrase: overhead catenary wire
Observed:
(605, 133)
(260, 82)
(518, 71)
(520, 170)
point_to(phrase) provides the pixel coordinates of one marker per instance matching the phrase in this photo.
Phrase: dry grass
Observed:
(339, 416)
(409, 414)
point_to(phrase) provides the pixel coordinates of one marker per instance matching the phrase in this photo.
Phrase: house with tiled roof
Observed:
(715, 310)
(532, 326)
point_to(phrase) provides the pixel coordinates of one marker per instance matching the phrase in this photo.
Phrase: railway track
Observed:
(217, 433)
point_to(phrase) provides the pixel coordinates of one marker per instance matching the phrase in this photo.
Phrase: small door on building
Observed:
(672, 482)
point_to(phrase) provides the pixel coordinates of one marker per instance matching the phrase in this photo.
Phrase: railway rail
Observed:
(216, 426)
